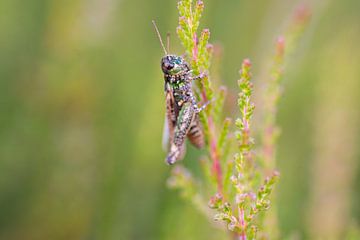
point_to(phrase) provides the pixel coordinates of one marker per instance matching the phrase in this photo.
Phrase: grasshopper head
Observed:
(172, 64)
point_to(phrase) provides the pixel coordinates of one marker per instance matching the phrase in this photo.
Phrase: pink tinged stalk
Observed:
(246, 128)
(214, 151)
(242, 224)
(216, 168)
(302, 15)
(270, 127)
(280, 46)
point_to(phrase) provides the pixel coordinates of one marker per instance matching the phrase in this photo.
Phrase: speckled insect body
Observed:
(182, 119)
(182, 111)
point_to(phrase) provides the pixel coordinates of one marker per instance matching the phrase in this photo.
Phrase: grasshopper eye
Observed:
(167, 66)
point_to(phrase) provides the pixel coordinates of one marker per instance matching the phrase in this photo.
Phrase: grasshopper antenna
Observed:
(168, 42)
(159, 36)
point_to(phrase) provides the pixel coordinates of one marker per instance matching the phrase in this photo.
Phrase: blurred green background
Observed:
(82, 106)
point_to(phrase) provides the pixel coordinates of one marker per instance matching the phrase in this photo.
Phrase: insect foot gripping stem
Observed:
(200, 76)
(199, 109)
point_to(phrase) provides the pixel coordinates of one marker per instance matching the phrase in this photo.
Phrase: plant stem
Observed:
(214, 151)
(242, 224)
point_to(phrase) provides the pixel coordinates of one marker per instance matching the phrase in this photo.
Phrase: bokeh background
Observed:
(82, 106)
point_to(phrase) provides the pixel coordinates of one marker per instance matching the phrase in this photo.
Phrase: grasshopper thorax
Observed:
(173, 65)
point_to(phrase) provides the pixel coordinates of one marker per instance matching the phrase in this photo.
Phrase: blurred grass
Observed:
(81, 95)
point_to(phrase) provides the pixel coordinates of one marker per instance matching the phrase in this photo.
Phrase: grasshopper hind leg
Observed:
(183, 124)
(196, 134)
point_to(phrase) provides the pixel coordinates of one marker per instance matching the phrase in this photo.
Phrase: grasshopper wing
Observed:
(166, 135)
(170, 121)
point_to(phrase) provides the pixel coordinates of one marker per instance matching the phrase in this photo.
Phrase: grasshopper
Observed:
(182, 110)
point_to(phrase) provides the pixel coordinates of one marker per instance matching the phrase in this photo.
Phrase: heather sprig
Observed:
(200, 52)
(249, 199)
(285, 46)
(183, 180)
(236, 184)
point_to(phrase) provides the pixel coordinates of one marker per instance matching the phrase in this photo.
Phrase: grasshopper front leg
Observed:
(199, 77)
(183, 124)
